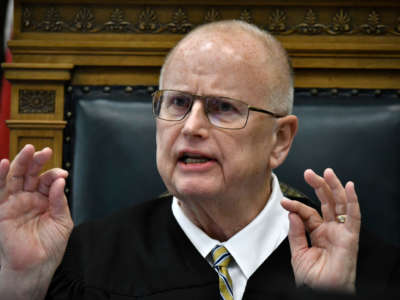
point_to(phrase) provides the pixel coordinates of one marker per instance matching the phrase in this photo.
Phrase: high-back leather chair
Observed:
(112, 151)
(357, 133)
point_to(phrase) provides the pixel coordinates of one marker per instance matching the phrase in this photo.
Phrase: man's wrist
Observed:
(23, 285)
(348, 289)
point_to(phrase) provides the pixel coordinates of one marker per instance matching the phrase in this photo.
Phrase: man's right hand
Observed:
(35, 224)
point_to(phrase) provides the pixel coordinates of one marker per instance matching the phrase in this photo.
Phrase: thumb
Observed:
(58, 203)
(297, 235)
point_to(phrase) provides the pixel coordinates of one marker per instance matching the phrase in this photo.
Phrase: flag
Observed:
(5, 113)
(5, 95)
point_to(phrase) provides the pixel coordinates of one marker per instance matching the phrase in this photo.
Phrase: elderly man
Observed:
(223, 124)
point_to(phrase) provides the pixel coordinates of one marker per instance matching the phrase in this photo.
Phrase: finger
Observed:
(353, 220)
(48, 177)
(40, 158)
(4, 168)
(18, 168)
(339, 195)
(308, 215)
(58, 205)
(297, 235)
(323, 193)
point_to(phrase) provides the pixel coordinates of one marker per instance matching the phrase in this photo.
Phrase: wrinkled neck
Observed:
(222, 218)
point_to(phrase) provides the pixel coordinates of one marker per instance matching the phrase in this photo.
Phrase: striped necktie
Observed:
(221, 260)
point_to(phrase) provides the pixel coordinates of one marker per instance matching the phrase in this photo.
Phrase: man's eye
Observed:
(221, 106)
(179, 101)
(225, 107)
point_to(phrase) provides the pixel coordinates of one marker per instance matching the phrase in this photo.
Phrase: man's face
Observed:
(223, 162)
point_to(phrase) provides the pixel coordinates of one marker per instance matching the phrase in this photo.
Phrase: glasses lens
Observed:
(227, 113)
(171, 105)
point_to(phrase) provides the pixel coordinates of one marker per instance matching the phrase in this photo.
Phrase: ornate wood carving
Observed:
(52, 21)
(180, 22)
(276, 22)
(148, 22)
(212, 15)
(117, 22)
(27, 18)
(374, 25)
(246, 16)
(397, 27)
(84, 21)
(315, 21)
(36, 101)
(310, 25)
(341, 22)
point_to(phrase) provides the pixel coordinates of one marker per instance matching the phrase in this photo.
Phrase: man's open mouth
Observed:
(193, 159)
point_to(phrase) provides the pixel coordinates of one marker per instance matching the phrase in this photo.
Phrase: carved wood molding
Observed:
(36, 101)
(36, 124)
(133, 19)
(37, 71)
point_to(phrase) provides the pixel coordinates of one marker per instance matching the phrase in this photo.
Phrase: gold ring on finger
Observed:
(341, 218)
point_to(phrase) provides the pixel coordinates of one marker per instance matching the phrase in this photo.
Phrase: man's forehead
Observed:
(219, 53)
(220, 65)
(228, 44)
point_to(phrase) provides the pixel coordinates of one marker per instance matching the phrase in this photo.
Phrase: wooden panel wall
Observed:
(334, 44)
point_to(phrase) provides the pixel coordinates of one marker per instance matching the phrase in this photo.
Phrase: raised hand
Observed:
(331, 260)
(35, 221)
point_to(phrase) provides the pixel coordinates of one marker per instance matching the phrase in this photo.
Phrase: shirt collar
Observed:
(252, 245)
(202, 242)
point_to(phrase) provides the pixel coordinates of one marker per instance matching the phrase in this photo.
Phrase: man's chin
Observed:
(195, 192)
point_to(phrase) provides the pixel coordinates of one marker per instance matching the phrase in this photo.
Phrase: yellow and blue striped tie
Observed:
(221, 260)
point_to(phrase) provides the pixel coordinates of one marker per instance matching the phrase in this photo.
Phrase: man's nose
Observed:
(196, 123)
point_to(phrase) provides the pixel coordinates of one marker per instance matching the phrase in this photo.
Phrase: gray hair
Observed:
(281, 93)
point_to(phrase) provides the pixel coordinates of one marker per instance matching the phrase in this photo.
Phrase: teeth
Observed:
(190, 160)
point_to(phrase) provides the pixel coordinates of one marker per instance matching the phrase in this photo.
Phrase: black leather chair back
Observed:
(113, 150)
(359, 137)
(114, 162)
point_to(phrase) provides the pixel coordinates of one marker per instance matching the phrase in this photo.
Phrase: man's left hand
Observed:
(331, 260)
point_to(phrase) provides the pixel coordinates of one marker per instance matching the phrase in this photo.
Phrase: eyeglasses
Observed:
(171, 105)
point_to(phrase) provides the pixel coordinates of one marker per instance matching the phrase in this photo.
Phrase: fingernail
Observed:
(309, 171)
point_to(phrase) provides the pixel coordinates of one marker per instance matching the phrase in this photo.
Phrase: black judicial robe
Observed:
(142, 253)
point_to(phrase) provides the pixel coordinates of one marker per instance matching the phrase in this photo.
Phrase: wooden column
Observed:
(37, 106)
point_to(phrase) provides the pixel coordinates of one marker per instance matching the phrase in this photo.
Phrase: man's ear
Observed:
(285, 132)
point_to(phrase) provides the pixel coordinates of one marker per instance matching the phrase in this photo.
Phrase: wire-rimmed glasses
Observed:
(223, 112)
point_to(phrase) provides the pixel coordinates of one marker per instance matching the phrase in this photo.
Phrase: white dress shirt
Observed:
(251, 246)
